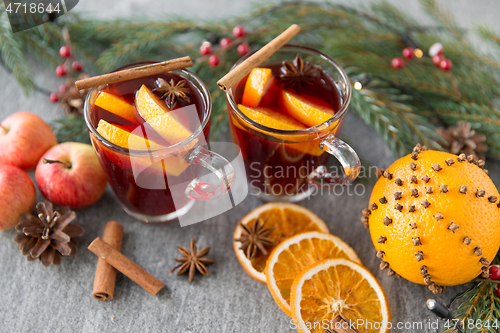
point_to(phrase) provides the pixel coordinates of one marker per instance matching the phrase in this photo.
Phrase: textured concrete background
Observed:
(58, 299)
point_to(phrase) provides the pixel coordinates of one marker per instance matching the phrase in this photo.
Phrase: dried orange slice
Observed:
(287, 220)
(307, 111)
(258, 82)
(333, 286)
(116, 106)
(295, 254)
(157, 114)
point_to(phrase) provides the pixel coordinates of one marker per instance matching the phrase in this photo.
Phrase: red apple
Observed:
(69, 174)
(17, 195)
(24, 137)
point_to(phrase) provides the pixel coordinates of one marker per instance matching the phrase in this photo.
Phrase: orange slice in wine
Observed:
(309, 111)
(258, 82)
(116, 106)
(157, 115)
(271, 118)
(171, 165)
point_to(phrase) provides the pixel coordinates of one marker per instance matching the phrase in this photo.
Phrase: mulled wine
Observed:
(149, 135)
(281, 115)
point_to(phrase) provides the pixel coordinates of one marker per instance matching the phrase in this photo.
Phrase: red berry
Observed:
(446, 65)
(239, 31)
(224, 42)
(77, 66)
(408, 52)
(498, 291)
(436, 60)
(53, 97)
(243, 49)
(65, 51)
(435, 49)
(61, 70)
(494, 272)
(397, 63)
(205, 48)
(63, 87)
(213, 60)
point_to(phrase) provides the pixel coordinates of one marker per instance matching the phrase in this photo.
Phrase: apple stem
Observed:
(66, 164)
(6, 130)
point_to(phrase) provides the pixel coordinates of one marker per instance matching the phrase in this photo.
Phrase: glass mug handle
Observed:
(347, 158)
(218, 165)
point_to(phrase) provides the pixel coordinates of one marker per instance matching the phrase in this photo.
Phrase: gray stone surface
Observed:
(58, 299)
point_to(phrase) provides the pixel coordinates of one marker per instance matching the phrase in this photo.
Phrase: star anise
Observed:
(255, 239)
(171, 92)
(48, 236)
(298, 72)
(192, 261)
(464, 140)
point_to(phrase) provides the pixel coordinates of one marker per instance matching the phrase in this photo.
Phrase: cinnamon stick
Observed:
(105, 274)
(134, 73)
(243, 69)
(126, 266)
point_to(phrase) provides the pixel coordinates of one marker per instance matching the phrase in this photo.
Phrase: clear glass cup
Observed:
(156, 186)
(287, 165)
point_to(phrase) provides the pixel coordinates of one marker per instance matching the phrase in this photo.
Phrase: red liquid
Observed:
(278, 167)
(128, 188)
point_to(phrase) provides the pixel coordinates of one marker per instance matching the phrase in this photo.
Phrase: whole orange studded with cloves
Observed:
(434, 218)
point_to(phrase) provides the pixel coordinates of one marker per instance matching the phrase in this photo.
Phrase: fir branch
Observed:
(13, 57)
(70, 128)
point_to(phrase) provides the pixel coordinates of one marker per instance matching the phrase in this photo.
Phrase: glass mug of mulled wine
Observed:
(285, 117)
(151, 143)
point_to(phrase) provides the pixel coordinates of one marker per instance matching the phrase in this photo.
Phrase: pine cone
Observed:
(463, 140)
(49, 236)
(72, 100)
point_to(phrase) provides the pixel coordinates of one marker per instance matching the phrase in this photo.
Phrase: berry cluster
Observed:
(495, 275)
(62, 70)
(435, 52)
(226, 43)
